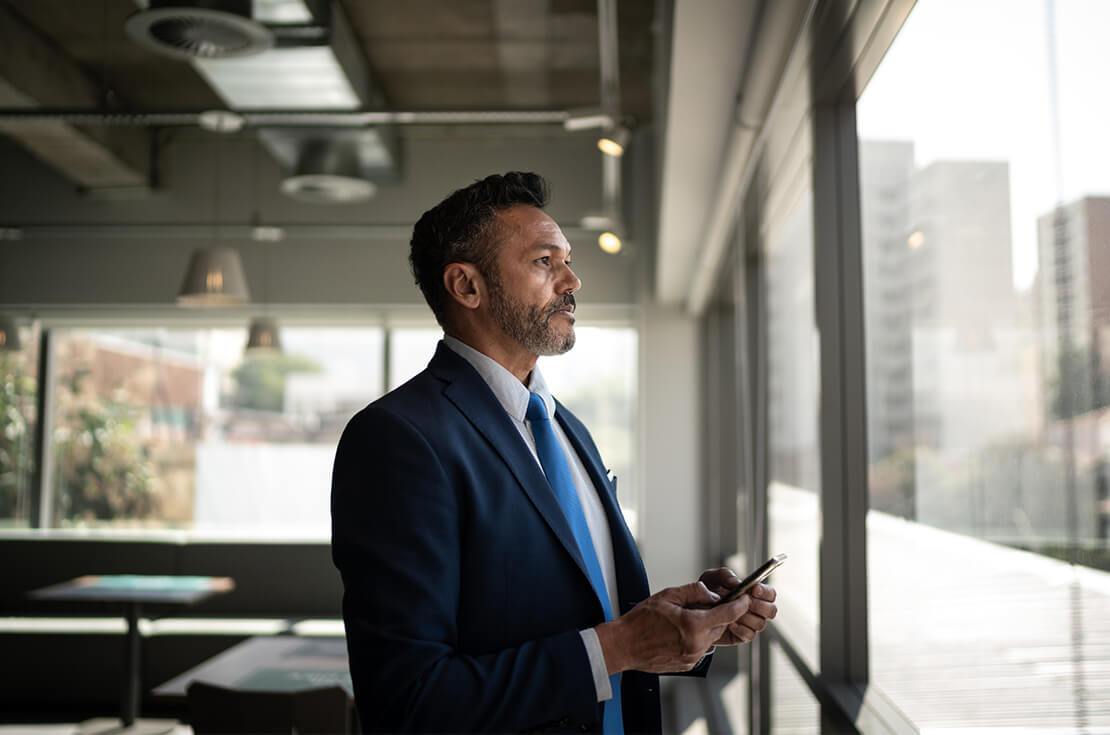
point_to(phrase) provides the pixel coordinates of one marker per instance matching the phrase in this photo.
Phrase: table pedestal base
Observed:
(114, 726)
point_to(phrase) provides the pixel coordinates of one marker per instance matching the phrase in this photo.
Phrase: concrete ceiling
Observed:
(425, 54)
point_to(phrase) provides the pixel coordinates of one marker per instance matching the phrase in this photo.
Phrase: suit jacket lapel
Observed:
(470, 394)
(632, 584)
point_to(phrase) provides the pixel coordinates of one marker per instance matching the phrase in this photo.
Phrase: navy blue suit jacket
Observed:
(464, 591)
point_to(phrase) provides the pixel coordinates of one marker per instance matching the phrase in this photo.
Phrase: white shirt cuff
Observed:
(597, 664)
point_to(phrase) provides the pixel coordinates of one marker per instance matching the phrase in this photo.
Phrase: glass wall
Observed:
(18, 420)
(180, 428)
(794, 709)
(985, 197)
(597, 381)
(793, 381)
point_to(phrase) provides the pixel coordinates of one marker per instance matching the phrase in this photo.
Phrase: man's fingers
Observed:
(763, 609)
(721, 580)
(753, 622)
(697, 594)
(722, 615)
(764, 592)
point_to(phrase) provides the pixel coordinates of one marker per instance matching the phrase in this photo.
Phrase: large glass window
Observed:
(793, 381)
(180, 428)
(986, 234)
(18, 412)
(597, 381)
(794, 710)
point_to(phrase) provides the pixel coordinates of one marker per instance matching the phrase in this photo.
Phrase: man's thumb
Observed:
(696, 593)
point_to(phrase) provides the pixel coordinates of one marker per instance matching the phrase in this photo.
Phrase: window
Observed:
(986, 235)
(793, 380)
(410, 350)
(18, 418)
(597, 381)
(177, 428)
(794, 710)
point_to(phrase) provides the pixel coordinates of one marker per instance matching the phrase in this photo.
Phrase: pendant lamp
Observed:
(264, 336)
(214, 278)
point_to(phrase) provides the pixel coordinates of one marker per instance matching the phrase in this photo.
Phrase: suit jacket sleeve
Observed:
(397, 522)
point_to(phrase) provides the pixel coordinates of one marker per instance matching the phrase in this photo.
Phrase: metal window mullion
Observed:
(42, 487)
(843, 600)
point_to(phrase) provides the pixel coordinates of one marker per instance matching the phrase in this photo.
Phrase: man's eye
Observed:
(546, 260)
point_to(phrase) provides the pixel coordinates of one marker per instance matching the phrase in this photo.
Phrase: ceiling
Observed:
(424, 54)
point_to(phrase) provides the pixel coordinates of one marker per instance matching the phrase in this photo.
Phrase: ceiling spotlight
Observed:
(609, 242)
(214, 278)
(915, 240)
(9, 335)
(613, 142)
(264, 336)
(221, 121)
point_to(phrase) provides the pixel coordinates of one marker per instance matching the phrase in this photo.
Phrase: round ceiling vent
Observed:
(201, 29)
(328, 172)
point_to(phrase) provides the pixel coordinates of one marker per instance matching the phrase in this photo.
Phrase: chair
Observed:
(216, 709)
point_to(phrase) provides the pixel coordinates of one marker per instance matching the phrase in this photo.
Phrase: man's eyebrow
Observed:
(549, 246)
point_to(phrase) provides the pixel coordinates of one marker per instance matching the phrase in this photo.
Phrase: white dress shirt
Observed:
(513, 397)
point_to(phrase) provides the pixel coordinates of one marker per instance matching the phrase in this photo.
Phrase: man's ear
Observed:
(464, 284)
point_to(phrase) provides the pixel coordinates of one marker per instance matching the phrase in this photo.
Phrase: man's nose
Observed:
(571, 282)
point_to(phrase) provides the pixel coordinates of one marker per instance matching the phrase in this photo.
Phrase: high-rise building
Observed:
(1073, 305)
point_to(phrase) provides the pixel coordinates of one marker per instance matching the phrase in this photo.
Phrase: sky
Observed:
(971, 80)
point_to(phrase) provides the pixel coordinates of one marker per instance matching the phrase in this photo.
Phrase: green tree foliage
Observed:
(17, 400)
(104, 469)
(260, 379)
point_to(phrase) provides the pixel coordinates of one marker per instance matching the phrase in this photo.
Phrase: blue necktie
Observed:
(555, 466)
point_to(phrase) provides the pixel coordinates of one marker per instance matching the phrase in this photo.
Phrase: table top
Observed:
(160, 589)
(271, 663)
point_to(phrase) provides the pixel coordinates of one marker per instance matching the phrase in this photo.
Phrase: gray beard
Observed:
(530, 326)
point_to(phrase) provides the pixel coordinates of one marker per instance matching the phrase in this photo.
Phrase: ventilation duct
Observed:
(329, 172)
(200, 29)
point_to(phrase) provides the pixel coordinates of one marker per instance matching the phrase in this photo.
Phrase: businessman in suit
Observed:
(490, 581)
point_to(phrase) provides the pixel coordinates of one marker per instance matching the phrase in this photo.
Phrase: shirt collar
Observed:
(510, 392)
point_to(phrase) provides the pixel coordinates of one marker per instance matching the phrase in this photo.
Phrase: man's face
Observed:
(531, 285)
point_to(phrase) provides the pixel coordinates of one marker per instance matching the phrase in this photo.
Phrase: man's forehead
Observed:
(525, 227)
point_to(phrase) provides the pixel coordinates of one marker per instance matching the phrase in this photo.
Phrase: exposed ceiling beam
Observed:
(34, 72)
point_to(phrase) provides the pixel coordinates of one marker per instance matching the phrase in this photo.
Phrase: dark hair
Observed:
(461, 229)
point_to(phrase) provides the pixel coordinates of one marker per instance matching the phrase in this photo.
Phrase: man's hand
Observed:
(669, 631)
(722, 581)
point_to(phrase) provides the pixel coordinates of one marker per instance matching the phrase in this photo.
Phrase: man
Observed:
(490, 580)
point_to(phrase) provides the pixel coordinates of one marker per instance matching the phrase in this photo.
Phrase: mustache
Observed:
(562, 303)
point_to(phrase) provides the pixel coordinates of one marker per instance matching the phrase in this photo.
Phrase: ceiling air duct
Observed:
(200, 29)
(329, 171)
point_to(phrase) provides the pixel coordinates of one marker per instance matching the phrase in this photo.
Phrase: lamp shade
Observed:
(9, 335)
(264, 335)
(215, 278)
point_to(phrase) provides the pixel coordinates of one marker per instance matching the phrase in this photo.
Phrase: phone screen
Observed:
(755, 577)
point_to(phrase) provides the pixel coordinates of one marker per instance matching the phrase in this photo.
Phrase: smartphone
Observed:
(755, 577)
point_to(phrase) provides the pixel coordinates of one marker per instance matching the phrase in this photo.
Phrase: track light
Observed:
(609, 242)
(614, 142)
